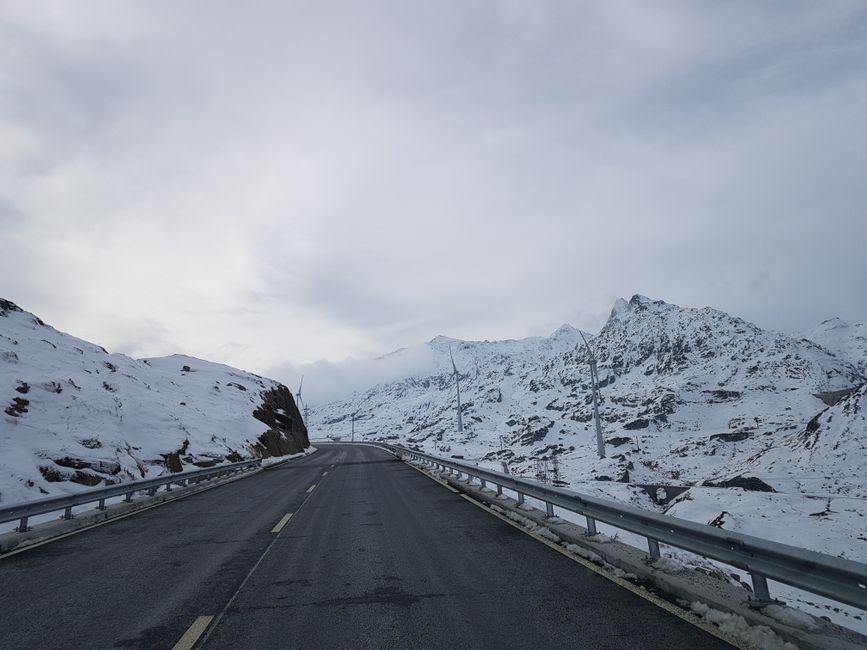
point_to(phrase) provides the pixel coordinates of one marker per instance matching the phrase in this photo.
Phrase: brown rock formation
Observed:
(286, 432)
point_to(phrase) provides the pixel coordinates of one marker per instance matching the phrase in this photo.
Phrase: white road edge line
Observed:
(663, 604)
(285, 520)
(311, 488)
(193, 633)
(325, 473)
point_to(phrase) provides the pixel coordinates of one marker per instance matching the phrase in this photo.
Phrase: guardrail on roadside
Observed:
(841, 580)
(23, 511)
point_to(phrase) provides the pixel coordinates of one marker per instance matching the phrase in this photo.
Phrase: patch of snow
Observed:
(757, 636)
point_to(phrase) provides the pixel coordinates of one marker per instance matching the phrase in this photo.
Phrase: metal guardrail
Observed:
(23, 511)
(844, 581)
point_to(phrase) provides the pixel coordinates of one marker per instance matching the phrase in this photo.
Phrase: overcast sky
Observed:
(267, 184)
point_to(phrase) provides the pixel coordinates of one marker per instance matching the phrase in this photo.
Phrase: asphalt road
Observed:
(376, 555)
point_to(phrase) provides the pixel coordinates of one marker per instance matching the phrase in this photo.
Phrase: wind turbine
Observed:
(594, 379)
(353, 425)
(458, 386)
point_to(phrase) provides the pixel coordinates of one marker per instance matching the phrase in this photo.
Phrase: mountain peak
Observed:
(833, 323)
(441, 339)
(637, 303)
(564, 330)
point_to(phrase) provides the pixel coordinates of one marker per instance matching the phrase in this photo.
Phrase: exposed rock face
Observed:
(286, 432)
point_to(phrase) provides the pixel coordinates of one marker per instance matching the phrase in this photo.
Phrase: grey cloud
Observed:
(322, 180)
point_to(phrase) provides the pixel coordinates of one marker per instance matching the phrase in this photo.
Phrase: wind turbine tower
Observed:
(353, 426)
(458, 386)
(594, 379)
(299, 402)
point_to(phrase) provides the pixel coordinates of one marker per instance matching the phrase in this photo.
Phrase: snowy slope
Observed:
(75, 415)
(846, 341)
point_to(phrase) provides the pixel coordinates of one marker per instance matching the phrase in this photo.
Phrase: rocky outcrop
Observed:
(286, 432)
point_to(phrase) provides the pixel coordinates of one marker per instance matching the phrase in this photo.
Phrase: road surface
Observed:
(375, 554)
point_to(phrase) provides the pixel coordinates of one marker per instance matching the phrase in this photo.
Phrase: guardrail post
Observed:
(67, 512)
(653, 547)
(520, 498)
(591, 527)
(101, 505)
(169, 486)
(483, 483)
(22, 525)
(761, 594)
(128, 497)
(549, 510)
(499, 490)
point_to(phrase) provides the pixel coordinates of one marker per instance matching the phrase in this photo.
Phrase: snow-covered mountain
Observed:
(75, 415)
(687, 396)
(846, 341)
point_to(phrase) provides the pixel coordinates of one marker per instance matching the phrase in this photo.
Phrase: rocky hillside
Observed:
(75, 415)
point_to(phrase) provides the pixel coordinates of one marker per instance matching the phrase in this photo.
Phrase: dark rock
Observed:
(616, 442)
(22, 388)
(173, 462)
(735, 436)
(750, 483)
(722, 395)
(287, 433)
(89, 478)
(100, 466)
(18, 407)
(636, 424)
(718, 521)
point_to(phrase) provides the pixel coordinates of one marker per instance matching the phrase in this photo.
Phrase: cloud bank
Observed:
(270, 184)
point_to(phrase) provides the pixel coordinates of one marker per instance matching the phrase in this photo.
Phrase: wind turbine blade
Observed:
(453, 361)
